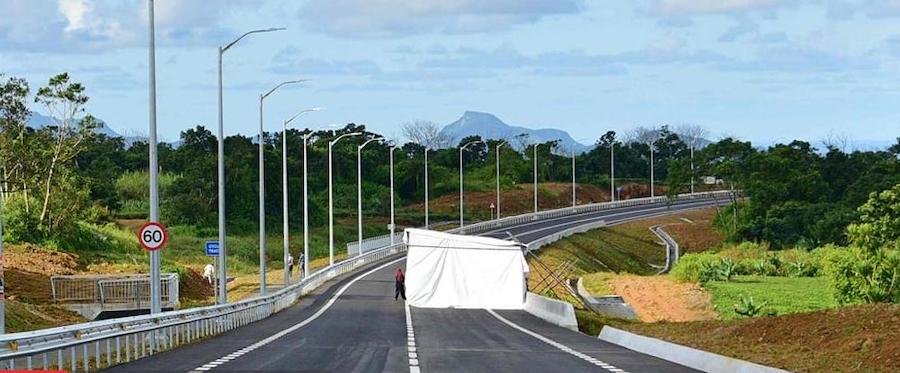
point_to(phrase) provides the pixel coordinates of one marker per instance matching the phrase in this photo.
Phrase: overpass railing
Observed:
(99, 344)
(499, 224)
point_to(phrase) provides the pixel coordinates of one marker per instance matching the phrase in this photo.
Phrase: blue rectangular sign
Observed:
(212, 248)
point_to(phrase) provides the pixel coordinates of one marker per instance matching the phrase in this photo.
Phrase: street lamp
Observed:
(262, 187)
(426, 187)
(393, 226)
(612, 170)
(461, 149)
(359, 190)
(155, 291)
(497, 154)
(223, 297)
(574, 201)
(331, 195)
(284, 192)
(535, 179)
(306, 258)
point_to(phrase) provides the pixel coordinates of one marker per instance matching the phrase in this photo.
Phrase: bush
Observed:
(694, 267)
(798, 263)
(21, 226)
(858, 276)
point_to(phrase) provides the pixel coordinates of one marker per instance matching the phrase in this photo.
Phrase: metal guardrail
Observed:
(98, 344)
(672, 249)
(556, 236)
(567, 211)
(103, 290)
(372, 243)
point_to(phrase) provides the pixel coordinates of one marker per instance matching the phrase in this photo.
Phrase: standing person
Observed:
(290, 264)
(300, 264)
(400, 284)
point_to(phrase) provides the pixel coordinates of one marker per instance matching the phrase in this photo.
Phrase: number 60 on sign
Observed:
(152, 236)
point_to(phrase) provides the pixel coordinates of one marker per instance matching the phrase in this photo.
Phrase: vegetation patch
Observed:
(776, 295)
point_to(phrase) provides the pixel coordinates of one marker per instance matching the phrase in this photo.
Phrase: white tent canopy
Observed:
(447, 270)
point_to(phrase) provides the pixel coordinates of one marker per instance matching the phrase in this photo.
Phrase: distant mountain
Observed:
(488, 126)
(38, 121)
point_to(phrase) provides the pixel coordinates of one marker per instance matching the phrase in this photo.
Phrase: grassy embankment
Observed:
(810, 332)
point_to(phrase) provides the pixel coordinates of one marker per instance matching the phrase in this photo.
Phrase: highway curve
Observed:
(353, 324)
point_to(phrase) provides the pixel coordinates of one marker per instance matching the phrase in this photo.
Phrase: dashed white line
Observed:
(234, 355)
(558, 345)
(411, 343)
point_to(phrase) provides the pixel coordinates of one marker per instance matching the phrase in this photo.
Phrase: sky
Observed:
(761, 70)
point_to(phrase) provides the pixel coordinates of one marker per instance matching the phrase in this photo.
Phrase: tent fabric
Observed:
(446, 270)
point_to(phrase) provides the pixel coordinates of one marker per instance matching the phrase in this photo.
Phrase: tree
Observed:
(14, 114)
(63, 100)
(425, 133)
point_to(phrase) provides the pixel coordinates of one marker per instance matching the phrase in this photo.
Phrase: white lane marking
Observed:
(558, 345)
(411, 342)
(294, 328)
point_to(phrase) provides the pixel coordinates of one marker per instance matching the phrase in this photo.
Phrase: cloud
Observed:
(743, 28)
(882, 8)
(800, 59)
(506, 57)
(712, 6)
(287, 62)
(397, 18)
(65, 26)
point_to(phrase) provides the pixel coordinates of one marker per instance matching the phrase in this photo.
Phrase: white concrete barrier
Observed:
(689, 357)
(553, 311)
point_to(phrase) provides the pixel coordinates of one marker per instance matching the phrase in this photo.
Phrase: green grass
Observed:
(784, 295)
(609, 250)
(598, 283)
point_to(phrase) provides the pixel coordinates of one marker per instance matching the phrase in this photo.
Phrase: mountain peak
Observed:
(489, 126)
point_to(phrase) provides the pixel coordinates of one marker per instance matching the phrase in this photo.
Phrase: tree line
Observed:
(59, 175)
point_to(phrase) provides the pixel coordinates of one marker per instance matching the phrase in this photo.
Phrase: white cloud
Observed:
(712, 6)
(393, 18)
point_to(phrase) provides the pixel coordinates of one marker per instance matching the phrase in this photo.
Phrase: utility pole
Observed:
(155, 293)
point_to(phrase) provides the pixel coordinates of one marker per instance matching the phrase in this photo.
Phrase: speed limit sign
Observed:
(152, 236)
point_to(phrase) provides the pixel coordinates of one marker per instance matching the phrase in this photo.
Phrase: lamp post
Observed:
(331, 195)
(426, 187)
(262, 187)
(535, 179)
(652, 183)
(612, 171)
(393, 226)
(305, 210)
(497, 154)
(155, 291)
(223, 296)
(284, 193)
(574, 201)
(359, 234)
(461, 210)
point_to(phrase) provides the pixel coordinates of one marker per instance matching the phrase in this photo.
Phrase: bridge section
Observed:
(93, 295)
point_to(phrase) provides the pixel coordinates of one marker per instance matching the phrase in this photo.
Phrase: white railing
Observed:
(98, 344)
(672, 248)
(372, 243)
(497, 224)
(556, 236)
(103, 290)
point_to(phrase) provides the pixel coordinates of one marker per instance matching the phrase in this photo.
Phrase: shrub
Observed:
(727, 269)
(798, 263)
(693, 267)
(859, 276)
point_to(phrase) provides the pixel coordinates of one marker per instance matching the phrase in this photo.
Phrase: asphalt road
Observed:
(353, 324)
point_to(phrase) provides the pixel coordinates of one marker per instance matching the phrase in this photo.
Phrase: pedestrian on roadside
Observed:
(400, 284)
(208, 273)
(290, 263)
(300, 263)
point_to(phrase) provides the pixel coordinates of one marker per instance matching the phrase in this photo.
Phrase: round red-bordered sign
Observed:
(152, 236)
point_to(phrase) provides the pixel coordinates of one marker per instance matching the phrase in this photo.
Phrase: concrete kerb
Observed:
(689, 357)
(553, 311)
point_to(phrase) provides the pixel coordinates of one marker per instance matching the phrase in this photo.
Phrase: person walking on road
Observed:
(290, 263)
(400, 284)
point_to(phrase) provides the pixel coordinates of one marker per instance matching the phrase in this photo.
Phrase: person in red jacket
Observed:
(400, 284)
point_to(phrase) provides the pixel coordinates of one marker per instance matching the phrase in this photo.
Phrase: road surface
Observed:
(353, 324)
